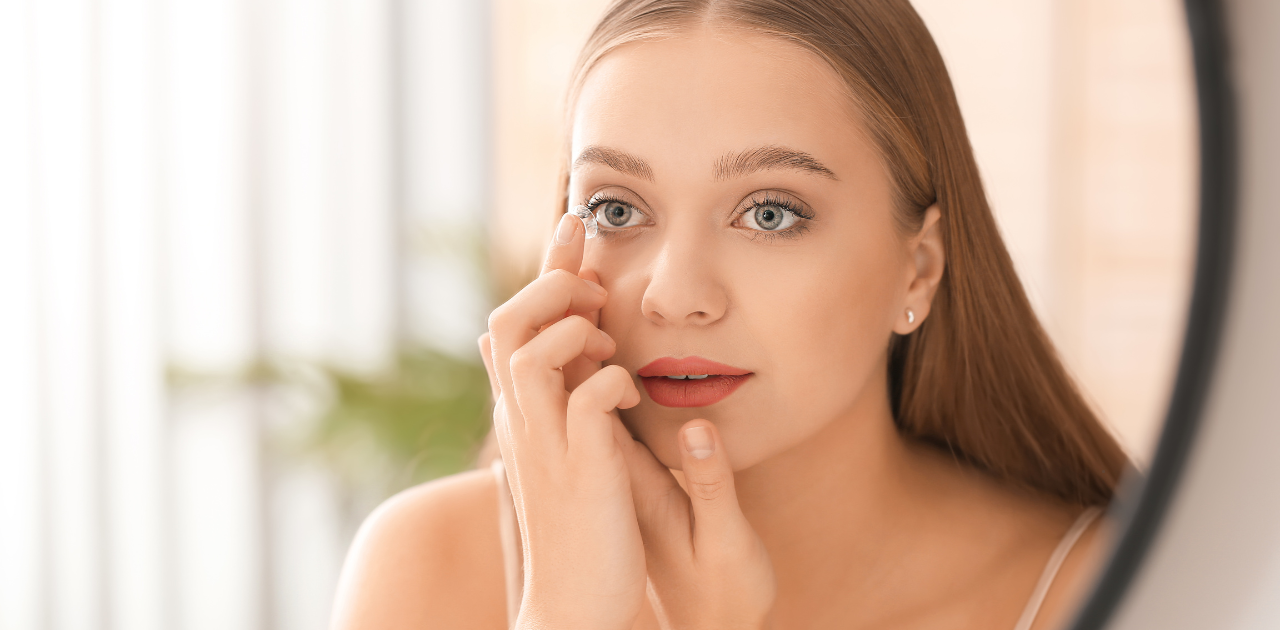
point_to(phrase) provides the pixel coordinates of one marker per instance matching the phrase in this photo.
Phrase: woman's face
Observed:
(745, 218)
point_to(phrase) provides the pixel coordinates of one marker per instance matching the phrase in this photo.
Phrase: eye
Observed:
(614, 214)
(769, 218)
(773, 214)
(770, 215)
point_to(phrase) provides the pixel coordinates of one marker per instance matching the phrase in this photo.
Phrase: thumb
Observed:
(717, 519)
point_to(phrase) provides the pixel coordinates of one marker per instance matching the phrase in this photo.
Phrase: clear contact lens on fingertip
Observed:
(588, 220)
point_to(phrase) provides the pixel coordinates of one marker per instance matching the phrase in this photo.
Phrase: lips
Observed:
(708, 382)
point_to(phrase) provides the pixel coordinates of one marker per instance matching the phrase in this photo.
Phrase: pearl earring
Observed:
(911, 317)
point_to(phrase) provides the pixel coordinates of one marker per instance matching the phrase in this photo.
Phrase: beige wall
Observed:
(1080, 113)
(535, 44)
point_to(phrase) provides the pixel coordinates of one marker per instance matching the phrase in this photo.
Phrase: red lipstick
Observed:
(708, 382)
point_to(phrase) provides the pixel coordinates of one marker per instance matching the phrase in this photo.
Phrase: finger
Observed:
(539, 362)
(717, 519)
(502, 429)
(591, 276)
(589, 426)
(502, 433)
(565, 251)
(537, 380)
(486, 356)
(578, 370)
(581, 369)
(662, 507)
(543, 301)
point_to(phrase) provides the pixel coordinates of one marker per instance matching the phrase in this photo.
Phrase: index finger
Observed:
(566, 247)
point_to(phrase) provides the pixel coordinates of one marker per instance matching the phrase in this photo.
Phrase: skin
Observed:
(810, 511)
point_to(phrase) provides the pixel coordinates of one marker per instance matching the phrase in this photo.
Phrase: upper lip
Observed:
(671, 366)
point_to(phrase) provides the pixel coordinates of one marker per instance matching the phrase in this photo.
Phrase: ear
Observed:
(927, 261)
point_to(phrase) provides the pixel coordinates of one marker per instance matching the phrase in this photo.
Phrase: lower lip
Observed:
(670, 392)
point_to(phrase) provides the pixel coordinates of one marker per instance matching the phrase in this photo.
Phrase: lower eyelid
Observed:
(792, 232)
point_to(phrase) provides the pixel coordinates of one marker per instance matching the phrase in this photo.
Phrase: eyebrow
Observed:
(729, 166)
(741, 164)
(616, 160)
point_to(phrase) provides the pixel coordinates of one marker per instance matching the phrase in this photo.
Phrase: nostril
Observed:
(684, 290)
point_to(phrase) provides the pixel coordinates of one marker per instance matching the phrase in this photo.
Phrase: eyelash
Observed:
(768, 199)
(602, 198)
(787, 205)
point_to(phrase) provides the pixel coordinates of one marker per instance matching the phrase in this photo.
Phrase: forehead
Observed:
(684, 99)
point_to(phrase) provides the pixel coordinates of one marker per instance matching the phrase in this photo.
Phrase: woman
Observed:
(794, 381)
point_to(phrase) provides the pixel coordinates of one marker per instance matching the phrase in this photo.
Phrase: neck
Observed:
(829, 509)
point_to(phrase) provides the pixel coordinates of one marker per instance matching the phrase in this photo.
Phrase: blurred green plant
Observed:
(423, 416)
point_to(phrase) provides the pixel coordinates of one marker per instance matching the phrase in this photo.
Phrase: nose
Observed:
(685, 286)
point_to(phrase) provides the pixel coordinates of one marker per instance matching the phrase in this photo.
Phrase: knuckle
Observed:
(706, 487)
(615, 372)
(588, 393)
(615, 375)
(560, 277)
(577, 324)
(605, 379)
(497, 317)
(578, 400)
(567, 282)
(523, 361)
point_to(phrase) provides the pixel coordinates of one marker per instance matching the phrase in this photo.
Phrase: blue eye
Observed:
(617, 214)
(611, 214)
(769, 218)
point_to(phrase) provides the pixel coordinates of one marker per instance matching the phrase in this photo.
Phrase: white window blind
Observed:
(190, 188)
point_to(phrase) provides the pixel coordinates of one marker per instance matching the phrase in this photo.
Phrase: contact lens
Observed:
(588, 220)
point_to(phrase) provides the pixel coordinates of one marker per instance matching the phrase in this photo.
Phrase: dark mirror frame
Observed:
(1142, 503)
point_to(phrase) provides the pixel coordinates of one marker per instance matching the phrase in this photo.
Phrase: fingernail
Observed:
(597, 288)
(697, 440)
(568, 225)
(606, 336)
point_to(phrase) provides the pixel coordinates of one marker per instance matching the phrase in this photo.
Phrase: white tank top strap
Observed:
(512, 552)
(1050, 572)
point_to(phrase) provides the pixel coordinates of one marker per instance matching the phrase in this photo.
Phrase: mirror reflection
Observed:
(880, 301)
(793, 328)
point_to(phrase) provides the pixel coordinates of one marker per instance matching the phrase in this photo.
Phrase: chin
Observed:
(657, 427)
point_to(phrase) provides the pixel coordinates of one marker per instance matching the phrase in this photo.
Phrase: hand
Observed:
(707, 567)
(584, 559)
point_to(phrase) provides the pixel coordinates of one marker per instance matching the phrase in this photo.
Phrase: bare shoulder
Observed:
(1038, 526)
(1005, 536)
(427, 557)
(1080, 570)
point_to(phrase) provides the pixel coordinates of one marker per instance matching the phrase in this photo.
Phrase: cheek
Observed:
(824, 328)
(625, 283)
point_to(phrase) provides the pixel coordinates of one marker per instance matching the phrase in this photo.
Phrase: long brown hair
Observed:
(979, 376)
